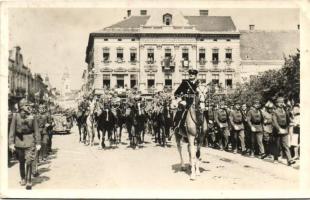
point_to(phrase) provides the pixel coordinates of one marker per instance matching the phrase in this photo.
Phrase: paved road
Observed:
(76, 166)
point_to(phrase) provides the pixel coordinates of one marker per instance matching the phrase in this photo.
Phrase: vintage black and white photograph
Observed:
(141, 98)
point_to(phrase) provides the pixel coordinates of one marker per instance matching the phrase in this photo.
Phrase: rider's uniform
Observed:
(187, 88)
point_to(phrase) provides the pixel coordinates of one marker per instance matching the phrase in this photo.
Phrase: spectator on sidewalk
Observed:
(25, 139)
(255, 121)
(281, 122)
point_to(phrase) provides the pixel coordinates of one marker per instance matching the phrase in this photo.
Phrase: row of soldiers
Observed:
(265, 131)
(30, 137)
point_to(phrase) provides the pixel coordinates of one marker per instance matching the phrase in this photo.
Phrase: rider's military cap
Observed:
(193, 71)
(269, 104)
(138, 98)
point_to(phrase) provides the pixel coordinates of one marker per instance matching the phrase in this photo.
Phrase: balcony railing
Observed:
(167, 64)
(150, 61)
(215, 62)
(202, 61)
(133, 62)
(228, 61)
(120, 60)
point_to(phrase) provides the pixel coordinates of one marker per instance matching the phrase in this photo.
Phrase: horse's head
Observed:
(201, 97)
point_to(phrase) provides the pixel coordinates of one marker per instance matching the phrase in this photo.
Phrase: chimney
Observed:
(143, 12)
(252, 27)
(204, 12)
(128, 13)
(298, 26)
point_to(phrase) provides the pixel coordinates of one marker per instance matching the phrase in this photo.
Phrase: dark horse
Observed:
(120, 121)
(105, 123)
(81, 118)
(158, 119)
(138, 115)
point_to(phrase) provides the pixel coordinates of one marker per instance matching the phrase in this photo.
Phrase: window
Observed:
(215, 39)
(143, 12)
(228, 81)
(150, 81)
(120, 81)
(167, 19)
(133, 39)
(106, 54)
(133, 55)
(215, 79)
(168, 80)
(202, 56)
(119, 39)
(215, 56)
(119, 54)
(201, 39)
(228, 40)
(106, 81)
(228, 54)
(106, 39)
(202, 78)
(133, 80)
(150, 55)
(167, 53)
(185, 54)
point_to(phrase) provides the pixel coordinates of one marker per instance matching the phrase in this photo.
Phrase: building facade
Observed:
(21, 82)
(155, 50)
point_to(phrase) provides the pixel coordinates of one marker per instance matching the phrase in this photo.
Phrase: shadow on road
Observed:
(187, 169)
(39, 180)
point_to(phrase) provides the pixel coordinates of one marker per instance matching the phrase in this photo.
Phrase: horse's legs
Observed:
(178, 141)
(80, 133)
(103, 138)
(120, 132)
(191, 140)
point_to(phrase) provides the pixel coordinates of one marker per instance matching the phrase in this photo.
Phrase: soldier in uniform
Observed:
(281, 122)
(43, 125)
(211, 125)
(255, 121)
(221, 120)
(25, 139)
(237, 128)
(268, 128)
(187, 87)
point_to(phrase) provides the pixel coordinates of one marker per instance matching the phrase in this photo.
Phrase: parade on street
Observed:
(159, 99)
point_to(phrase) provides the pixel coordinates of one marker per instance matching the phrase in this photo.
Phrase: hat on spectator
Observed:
(280, 100)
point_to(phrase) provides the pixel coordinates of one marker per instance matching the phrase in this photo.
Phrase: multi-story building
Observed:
(155, 51)
(262, 50)
(20, 80)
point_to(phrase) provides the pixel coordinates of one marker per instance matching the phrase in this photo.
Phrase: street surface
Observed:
(76, 166)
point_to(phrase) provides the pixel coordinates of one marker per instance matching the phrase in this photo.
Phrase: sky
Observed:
(55, 39)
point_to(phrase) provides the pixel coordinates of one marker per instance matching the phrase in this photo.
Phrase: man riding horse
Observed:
(189, 122)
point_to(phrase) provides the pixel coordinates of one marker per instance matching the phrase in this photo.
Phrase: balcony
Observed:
(120, 60)
(133, 62)
(150, 61)
(215, 62)
(106, 62)
(168, 88)
(228, 61)
(168, 65)
(202, 62)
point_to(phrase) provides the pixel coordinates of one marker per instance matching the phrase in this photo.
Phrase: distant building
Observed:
(65, 84)
(264, 50)
(155, 51)
(21, 81)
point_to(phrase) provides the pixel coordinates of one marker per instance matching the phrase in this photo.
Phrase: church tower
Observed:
(65, 83)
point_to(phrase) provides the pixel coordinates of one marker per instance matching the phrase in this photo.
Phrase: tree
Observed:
(272, 83)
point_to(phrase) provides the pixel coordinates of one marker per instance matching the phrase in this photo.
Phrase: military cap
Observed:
(280, 100)
(256, 102)
(138, 98)
(23, 102)
(193, 71)
(269, 104)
